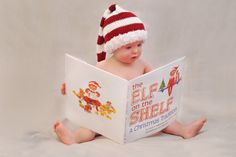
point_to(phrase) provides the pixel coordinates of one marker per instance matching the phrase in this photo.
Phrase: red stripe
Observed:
(102, 21)
(123, 30)
(100, 40)
(112, 8)
(101, 56)
(117, 17)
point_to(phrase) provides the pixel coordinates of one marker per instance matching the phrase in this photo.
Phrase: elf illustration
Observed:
(88, 99)
(107, 109)
(89, 96)
(174, 79)
(92, 95)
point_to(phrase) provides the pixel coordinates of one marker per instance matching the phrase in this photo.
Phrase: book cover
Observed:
(119, 109)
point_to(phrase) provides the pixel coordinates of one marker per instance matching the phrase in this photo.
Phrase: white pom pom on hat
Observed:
(118, 27)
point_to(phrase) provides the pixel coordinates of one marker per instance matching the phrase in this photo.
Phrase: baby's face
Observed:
(129, 53)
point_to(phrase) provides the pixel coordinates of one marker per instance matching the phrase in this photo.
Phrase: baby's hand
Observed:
(63, 89)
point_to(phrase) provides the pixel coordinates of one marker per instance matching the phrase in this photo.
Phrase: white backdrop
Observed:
(34, 35)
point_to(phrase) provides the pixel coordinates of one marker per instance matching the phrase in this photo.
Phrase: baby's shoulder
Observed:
(143, 62)
(147, 66)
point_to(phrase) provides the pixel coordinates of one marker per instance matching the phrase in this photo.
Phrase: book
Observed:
(119, 109)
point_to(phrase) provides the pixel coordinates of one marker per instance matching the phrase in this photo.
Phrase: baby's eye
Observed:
(139, 44)
(128, 47)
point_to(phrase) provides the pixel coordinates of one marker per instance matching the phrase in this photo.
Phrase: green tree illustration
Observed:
(163, 85)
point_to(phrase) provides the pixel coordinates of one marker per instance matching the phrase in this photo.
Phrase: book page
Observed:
(95, 99)
(153, 100)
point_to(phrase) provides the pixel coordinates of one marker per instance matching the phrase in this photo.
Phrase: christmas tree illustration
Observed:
(163, 86)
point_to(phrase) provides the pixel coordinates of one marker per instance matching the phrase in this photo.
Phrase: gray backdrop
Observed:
(34, 35)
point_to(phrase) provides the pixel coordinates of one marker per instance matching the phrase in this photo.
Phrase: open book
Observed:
(119, 109)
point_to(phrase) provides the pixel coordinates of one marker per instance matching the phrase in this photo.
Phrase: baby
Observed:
(122, 34)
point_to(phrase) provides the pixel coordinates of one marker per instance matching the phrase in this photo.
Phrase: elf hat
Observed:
(94, 83)
(118, 27)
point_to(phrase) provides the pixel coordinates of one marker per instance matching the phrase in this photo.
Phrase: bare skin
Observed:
(130, 64)
(71, 137)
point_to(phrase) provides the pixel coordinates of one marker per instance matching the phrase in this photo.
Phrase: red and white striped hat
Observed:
(118, 27)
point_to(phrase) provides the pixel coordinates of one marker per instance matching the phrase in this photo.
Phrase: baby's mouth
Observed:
(134, 57)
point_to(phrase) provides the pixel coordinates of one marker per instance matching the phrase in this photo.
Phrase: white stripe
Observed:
(107, 14)
(100, 32)
(120, 23)
(100, 48)
(127, 38)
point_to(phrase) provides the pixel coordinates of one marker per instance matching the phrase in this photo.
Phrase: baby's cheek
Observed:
(127, 58)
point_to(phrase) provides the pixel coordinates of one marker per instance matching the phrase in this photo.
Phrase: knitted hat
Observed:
(118, 27)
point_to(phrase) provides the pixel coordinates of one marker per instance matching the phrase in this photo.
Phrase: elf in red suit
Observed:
(91, 96)
(174, 78)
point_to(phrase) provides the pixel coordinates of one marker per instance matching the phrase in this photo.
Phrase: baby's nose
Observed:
(135, 50)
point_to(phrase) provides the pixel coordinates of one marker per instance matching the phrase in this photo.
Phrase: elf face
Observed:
(92, 87)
